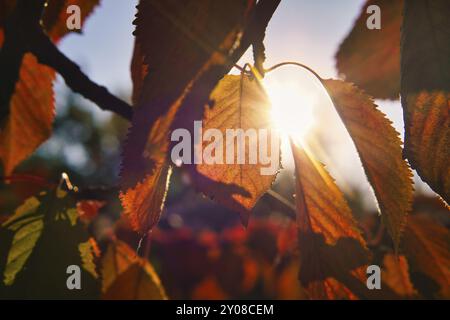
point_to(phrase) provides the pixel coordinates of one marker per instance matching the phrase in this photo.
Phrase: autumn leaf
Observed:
(371, 58)
(425, 91)
(395, 274)
(332, 251)
(380, 151)
(118, 257)
(427, 247)
(143, 204)
(31, 114)
(237, 103)
(126, 276)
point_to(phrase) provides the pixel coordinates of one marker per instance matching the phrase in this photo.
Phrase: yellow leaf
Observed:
(143, 204)
(238, 103)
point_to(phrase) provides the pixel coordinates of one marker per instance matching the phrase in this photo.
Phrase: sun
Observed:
(292, 108)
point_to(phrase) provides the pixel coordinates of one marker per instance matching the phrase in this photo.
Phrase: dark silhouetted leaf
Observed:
(425, 91)
(371, 58)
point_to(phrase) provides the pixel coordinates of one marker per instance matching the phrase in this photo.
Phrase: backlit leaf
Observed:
(425, 91)
(31, 113)
(128, 277)
(143, 203)
(238, 103)
(118, 258)
(380, 150)
(332, 251)
(371, 58)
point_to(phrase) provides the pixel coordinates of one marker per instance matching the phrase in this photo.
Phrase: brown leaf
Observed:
(143, 204)
(425, 91)
(237, 103)
(128, 277)
(427, 247)
(380, 151)
(31, 113)
(371, 58)
(395, 274)
(55, 15)
(332, 250)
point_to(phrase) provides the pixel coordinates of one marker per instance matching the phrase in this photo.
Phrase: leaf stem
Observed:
(293, 63)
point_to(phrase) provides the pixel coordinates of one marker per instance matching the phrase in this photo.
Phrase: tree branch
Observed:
(47, 53)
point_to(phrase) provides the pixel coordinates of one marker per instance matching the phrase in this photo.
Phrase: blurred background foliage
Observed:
(199, 249)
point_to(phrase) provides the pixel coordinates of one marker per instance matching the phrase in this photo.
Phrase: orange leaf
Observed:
(127, 276)
(237, 105)
(143, 203)
(371, 58)
(31, 113)
(332, 250)
(427, 247)
(380, 151)
(396, 275)
(425, 91)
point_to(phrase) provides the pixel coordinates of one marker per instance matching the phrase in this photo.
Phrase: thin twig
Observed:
(47, 53)
(293, 63)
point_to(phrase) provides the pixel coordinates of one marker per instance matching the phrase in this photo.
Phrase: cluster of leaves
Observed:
(184, 78)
